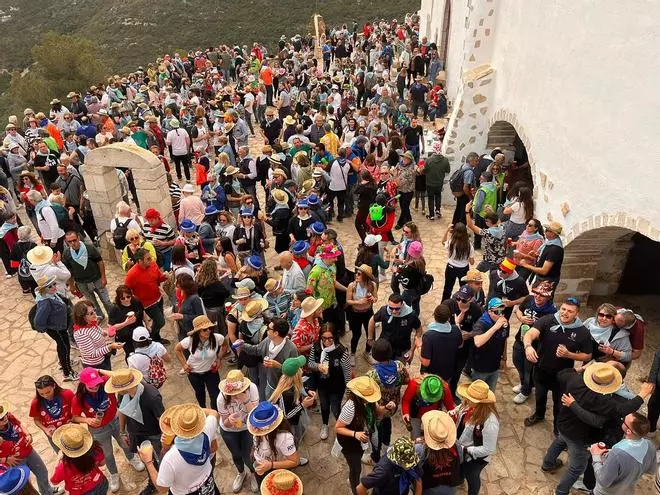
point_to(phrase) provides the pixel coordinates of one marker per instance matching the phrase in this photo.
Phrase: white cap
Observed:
(188, 188)
(140, 334)
(371, 239)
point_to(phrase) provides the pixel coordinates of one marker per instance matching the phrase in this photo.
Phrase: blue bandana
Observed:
(195, 451)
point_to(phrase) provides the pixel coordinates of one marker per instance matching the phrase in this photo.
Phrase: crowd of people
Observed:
(342, 137)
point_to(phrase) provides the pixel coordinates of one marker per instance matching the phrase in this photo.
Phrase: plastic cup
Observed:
(130, 314)
(146, 447)
(236, 419)
(111, 331)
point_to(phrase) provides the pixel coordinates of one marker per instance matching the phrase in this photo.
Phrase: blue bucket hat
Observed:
(245, 212)
(14, 479)
(317, 228)
(313, 199)
(211, 210)
(255, 262)
(302, 203)
(264, 418)
(300, 247)
(495, 302)
(187, 226)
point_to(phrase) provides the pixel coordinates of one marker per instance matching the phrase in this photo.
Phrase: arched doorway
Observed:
(503, 135)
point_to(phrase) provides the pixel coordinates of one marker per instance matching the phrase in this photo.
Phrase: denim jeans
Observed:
(489, 377)
(90, 290)
(201, 382)
(472, 470)
(100, 489)
(239, 444)
(104, 436)
(38, 468)
(578, 456)
(155, 312)
(523, 366)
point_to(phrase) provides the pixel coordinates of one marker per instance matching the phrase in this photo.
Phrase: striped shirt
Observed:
(175, 194)
(162, 233)
(91, 344)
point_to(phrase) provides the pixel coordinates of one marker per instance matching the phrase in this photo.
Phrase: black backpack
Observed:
(426, 284)
(456, 182)
(119, 235)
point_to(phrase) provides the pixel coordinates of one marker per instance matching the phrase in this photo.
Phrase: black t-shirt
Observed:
(441, 349)
(552, 335)
(412, 135)
(119, 313)
(530, 309)
(151, 404)
(471, 317)
(510, 289)
(486, 358)
(214, 295)
(556, 255)
(397, 331)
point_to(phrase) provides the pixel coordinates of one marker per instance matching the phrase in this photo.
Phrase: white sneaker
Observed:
(182, 372)
(238, 482)
(580, 486)
(353, 360)
(254, 484)
(114, 482)
(324, 432)
(516, 389)
(137, 463)
(303, 461)
(520, 398)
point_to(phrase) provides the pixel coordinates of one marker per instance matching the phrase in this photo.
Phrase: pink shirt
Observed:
(192, 208)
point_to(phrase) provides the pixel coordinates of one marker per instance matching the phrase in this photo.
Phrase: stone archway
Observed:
(103, 187)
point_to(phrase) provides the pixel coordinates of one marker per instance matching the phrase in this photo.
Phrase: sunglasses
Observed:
(327, 339)
(205, 330)
(498, 311)
(302, 208)
(131, 239)
(462, 300)
(605, 315)
(394, 308)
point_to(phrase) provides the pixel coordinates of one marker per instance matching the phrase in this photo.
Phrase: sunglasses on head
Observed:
(606, 315)
(44, 382)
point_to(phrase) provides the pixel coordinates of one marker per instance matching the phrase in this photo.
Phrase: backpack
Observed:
(456, 182)
(61, 214)
(24, 270)
(426, 284)
(31, 315)
(119, 235)
(157, 374)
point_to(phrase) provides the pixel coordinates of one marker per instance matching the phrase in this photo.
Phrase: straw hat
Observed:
(477, 392)
(188, 421)
(289, 120)
(253, 308)
(280, 197)
(554, 227)
(272, 284)
(281, 482)
(472, 276)
(242, 292)
(307, 186)
(366, 388)
(309, 306)
(231, 170)
(602, 378)
(40, 255)
(439, 430)
(264, 418)
(73, 439)
(201, 322)
(365, 269)
(45, 282)
(122, 380)
(4, 408)
(166, 419)
(235, 383)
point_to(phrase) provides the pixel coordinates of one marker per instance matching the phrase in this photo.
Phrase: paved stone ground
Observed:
(515, 467)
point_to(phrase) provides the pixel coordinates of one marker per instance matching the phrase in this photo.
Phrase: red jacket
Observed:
(410, 397)
(145, 284)
(20, 445)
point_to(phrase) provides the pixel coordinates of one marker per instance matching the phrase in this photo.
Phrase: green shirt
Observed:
(322, 282)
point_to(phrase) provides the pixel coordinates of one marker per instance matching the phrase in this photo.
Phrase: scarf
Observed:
(53, 407)
(325, 351)
(388, 373)
(41, 205)
(637, 449)
(38, 296)
(274, 349)
(502, 282)
(440, 327)
(599, 334)
(195, 451)
(6, 227)
(405, 311)
(254, 326)
(130, 406)
(577, 323)
(10, 432)
(548, 242)
(278, 207)
(407, 479)
(526, 236)
(99, 401)
(154, 228)
(81, 257)
(497, 232)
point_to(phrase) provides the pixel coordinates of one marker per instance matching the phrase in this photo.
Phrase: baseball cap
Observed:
(495, 302)
(140, 334)
(90, 377)
(465, 292)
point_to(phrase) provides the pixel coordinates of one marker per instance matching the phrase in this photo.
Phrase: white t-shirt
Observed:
(339, 176)
(237, 406)
(284, 442)
(518, 215)
(139, 360)
(248, 102)
(202, 144)
(458, 263)
(179, 140)
(179, 476)
(202, 359)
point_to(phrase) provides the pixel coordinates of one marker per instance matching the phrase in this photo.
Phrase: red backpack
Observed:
(157, 373)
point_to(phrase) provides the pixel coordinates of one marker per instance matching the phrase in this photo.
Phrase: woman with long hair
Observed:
(207, 231)
(370, 165)
(213, 292)
(478, 427)
(366, 194)
(135, 242)
(254, 269)
(460, 255)
(527, 246)
(225, 226)
(190, 306)
(610, 343)
(410, 274)
(439, 455)
(520, 209)
(368, 254)
(361, 294)
(376, 147)
(125, 315)
(82, 458)
(203, 350)
(395, 149)
(51, 406)
(95, 352)
(227, 261)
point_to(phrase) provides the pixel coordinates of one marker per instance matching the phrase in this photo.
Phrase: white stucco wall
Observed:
(579, 81)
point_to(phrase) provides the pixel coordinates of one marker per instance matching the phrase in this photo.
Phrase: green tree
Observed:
(62, 63)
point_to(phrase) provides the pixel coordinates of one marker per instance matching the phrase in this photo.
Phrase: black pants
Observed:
(61, 338)
(546, 381)
(384, 429)
(354, 460)
(404, 203)
(357, 321)
(461, 360)
(201, 382)
(155, 312)
(472, 471)
(481, 223)
(337, 316)
(459, 212)
(416, 106)
(269, 95)
(341, 198)
(329, 401)
(654, 409)
(451, 274)
(362, 95)
(182, 160)
(361, 223)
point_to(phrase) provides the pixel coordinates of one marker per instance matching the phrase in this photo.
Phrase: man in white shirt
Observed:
(178, 141)
(338, 173)
(293, 278)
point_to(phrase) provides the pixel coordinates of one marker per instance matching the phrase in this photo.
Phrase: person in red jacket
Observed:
(16, 448)
(144, 279)
(424, 393)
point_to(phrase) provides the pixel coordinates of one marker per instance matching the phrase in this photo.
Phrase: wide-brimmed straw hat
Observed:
(165, 420)
(439, 430)
(188, 421)
(264, 418)
(477, 392)
(45, 282)
(602, 378)
(235, 383)
(253, 309)
(366, 388)
(366, 270)
(231, 170)
(281, 482)
(309, 306)
(73, 439)
(554, 227)
(472, 276)
(280, 197)
(242, 292)
(40, 255)
(4, 408)
(201, 322)
(122, 380)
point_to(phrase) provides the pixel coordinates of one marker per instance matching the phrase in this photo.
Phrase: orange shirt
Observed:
(267, 76)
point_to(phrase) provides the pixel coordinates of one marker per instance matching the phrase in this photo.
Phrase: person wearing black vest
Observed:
(439, 455)
(247, 172)
(249, 235)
